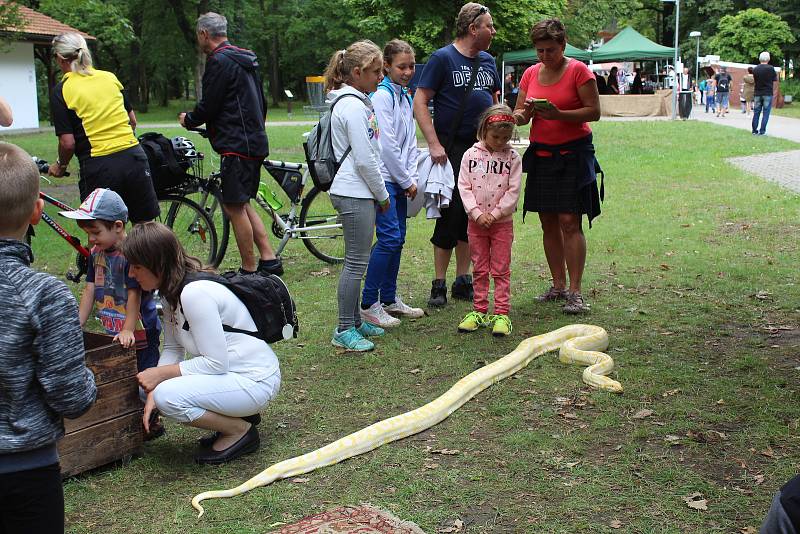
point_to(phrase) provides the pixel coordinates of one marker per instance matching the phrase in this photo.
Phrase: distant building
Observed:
(17, 64)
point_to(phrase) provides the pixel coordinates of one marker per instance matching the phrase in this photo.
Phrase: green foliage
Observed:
(9, 18)
(744, 36)
(104, 20)
(584, 18)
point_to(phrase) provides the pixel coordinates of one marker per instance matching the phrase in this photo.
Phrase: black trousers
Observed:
(32, 501)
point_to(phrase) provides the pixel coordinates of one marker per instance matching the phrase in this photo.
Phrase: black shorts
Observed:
(240, 178)
(128, 174)
(451, 227)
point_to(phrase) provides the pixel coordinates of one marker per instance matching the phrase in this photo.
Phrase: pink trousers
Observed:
(490, 250)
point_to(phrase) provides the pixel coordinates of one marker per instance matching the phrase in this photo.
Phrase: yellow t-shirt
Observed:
(93, 109)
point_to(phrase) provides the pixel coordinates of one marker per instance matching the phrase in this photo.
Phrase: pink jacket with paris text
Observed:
(490, 182)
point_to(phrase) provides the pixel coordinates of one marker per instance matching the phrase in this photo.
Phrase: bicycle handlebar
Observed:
(43, 166)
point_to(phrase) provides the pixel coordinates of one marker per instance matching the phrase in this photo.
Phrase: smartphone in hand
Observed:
(541, 103)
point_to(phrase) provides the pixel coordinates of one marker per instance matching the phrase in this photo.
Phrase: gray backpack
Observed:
(322, 162)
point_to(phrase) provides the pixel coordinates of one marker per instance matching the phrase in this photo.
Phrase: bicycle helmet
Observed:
(184, 149)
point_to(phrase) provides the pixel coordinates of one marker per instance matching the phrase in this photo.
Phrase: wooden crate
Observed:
(112, 429)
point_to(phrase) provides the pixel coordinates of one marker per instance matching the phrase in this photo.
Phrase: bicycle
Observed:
(83, 254)
(311, 218)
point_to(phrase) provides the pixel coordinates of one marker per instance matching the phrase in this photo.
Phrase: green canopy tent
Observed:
(630, 45)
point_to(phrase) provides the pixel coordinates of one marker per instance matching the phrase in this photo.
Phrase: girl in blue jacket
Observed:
(393, 109)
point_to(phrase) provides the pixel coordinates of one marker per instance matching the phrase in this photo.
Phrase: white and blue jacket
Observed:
(395, 116)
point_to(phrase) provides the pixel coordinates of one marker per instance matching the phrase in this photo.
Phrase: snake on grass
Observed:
(580, 344)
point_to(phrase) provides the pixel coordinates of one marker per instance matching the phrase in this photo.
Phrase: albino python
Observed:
(580, 344)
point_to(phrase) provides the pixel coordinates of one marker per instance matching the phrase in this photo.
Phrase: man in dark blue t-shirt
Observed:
(765, 78)
(445, 80)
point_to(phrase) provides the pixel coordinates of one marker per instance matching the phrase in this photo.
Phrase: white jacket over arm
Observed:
(353, 124)
(398, 135)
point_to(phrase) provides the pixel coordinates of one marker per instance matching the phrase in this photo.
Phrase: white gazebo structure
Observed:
(17, 64)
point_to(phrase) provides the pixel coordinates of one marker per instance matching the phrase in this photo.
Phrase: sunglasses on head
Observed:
(482, 11)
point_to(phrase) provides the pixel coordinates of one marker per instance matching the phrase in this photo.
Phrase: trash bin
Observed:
(685, 104)
(315, 87)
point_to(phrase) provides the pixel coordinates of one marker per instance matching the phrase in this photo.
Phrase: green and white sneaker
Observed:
(472, 321)
(367, 329)
(351, 340)
(501, 325)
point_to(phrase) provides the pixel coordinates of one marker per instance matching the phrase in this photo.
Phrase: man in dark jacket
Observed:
(233, 110)
(43, 377)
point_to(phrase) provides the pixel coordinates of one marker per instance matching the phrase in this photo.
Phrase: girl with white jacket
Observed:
(358, 188)
(393, 108)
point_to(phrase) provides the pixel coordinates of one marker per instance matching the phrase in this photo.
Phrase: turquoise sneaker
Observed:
(351, 340)
(368, 329)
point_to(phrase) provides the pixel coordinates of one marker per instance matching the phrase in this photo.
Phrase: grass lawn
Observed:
(791, 110)
(692, 269)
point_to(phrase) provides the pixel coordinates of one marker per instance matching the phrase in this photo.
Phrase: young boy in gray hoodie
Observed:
(43, 377)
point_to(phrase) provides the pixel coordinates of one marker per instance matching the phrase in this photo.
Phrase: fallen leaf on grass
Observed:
(415, 371)
(446, 452)
(323, 272)
(641, 414)
(695, 501)
(759, 479)
(457, 526)
(670, 393)
(568, 415)
(431, 466)
(664, 267)
(672, 439)
(768, 452)
(300, 480)
(616, 523)
(748, 530)
(762, 295)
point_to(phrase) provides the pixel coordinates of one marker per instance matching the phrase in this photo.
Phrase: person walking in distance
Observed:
(724, 81)
(233, 109)
(462, 80)
(765, 78)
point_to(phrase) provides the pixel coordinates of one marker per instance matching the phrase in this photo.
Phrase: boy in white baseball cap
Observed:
(124, 310)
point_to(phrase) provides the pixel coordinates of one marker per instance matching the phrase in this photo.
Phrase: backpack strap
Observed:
(213, 277)
(476, 64)
(349, 148)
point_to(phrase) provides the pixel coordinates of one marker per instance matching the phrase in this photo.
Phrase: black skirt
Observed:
(552, 185)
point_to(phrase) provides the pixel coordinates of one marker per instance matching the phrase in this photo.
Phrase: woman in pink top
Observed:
(489, 182)
(560, 95)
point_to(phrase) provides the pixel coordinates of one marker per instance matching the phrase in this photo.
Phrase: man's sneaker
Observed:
(472, 321)
(552, 294)
(368, 329)
(376, 315)
(501, 325)
(270, 267)
(462, 288)
(438, 293)
(575, 304)
(351, 340)
(398, 307)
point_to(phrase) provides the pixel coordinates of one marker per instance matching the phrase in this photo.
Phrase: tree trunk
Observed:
(137, 91)
(275, 82)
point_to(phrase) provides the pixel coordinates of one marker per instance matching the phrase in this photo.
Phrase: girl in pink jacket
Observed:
(489, 183)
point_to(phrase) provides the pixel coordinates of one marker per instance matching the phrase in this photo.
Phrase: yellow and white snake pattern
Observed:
(580, 344)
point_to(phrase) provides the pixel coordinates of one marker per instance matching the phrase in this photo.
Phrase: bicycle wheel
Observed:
(191, 225)
(326, 244)
(211, 202)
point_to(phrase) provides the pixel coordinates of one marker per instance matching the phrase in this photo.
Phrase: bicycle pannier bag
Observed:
(322, 162)
(267, 299)
(165, 169)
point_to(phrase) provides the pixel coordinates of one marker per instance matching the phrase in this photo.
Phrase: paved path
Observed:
(782, 168)
(783, 127)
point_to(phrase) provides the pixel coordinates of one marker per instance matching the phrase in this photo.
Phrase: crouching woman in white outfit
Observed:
(229, 377)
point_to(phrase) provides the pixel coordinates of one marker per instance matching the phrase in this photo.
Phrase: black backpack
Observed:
(322, 162)
(267, 299)
(166, 171)
(723, 85)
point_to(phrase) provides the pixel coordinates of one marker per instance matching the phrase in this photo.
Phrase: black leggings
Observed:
(32, 501)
